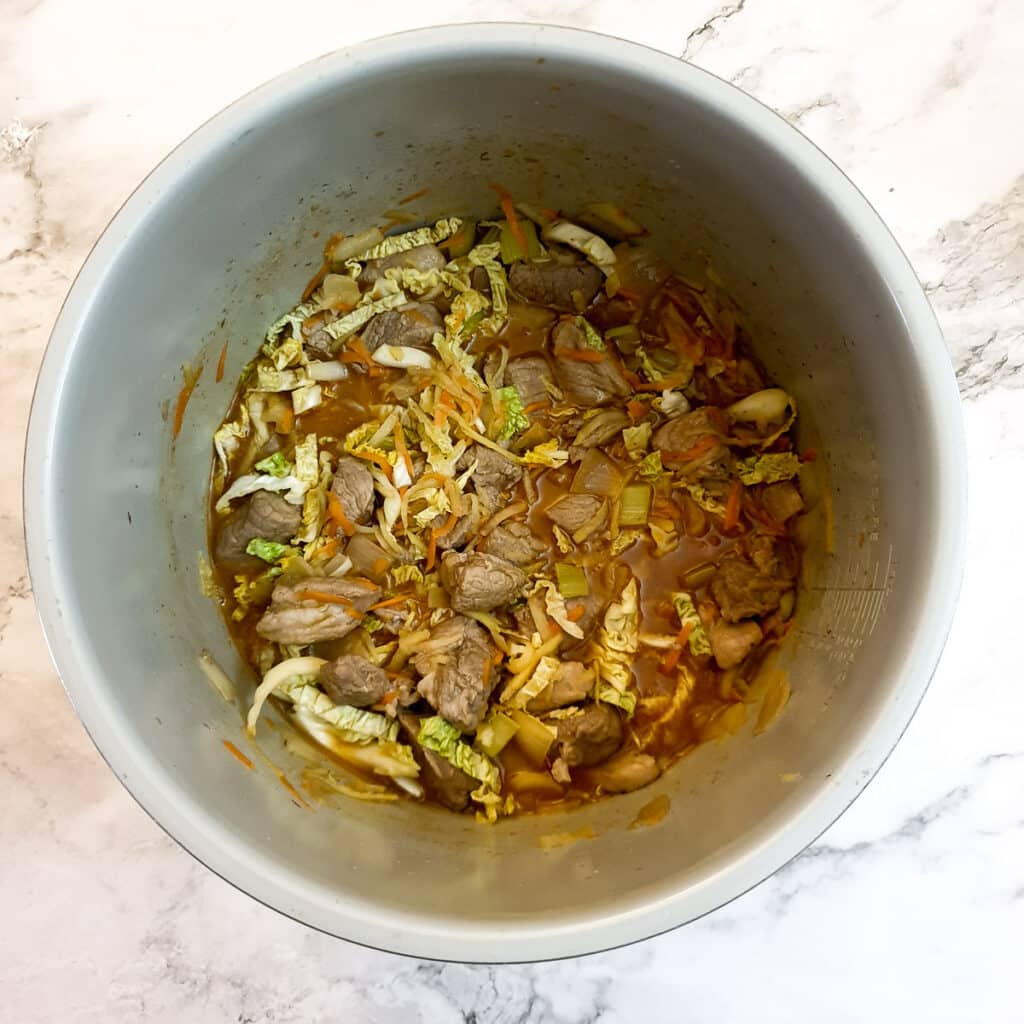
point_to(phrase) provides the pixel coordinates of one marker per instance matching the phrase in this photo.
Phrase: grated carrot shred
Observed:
(337, 513)
(191, 379)
(325, 598)
(580, 355)
(509, 210)
(413, 196)
(732, 506)
(400, 447)
(220, 363)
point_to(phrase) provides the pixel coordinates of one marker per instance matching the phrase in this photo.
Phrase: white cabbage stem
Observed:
(307, 666)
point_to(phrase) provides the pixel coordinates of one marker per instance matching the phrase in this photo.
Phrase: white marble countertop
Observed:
(910, 908)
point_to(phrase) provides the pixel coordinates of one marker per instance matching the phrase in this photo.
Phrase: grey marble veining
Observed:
(910, 908)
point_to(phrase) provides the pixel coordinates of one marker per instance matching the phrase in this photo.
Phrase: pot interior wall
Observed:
(232, 244)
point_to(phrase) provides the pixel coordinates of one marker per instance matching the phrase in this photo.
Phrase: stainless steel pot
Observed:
(220, 238)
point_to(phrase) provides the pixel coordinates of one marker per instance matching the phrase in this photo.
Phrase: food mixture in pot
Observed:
(503, 513)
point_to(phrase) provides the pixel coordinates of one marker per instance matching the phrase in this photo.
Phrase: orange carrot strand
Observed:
(732, 506)
(220, 363)
(413, 196)
(191, 379)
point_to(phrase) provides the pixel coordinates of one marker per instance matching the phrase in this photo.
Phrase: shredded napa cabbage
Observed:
(274, 465)
(619, 639)
(427, 284)
(466, 312)
(307, 467)
(405, 574)
(608, 694)
(394, 244)
(270, 378)
(293, 487)
(248, 590)
(293, 318)
(443, 738)
(228, 437)
(768, 469)
(554, 605)
(625, 539)
(353, 725)
(595, 248)
(514, 419)
(402, 357)
(705, 499)
(637, 439)
(347, 325)
(594, 340)
(562, 539)
(543, 676)
(287, 353)
(306, 397)
(546, 454)
(664, 535)
(647, 366)
(487, 256)
(314, 504)
(650, 467)
(448, 345)
(687, 612)
(269, 550)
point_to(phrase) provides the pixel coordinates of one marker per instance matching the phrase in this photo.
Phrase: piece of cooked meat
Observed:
(532, 378)
(572, 683)
(353, 487)
(477, 582)
(513, 541)
(597, 430)
(585, 383)
(781, 501)
(590, 737)
(420, 257)
(571, 511)
(466, 527)
(413, 324)
(314, 331)
(494, 474)
(447, 784)
(750, 583)
(731, 642)
(625, 772)
(552, 283)
(460, 676)
(354, 680)
(699, 435)
(493, 470)
(299, 615)
(263, 514)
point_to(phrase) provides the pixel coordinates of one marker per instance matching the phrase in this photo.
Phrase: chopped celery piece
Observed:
(572, 580)
(699, 576)
(533, 737)
(628, 332)
(511, 250)
(495, 733)
(635, 505)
